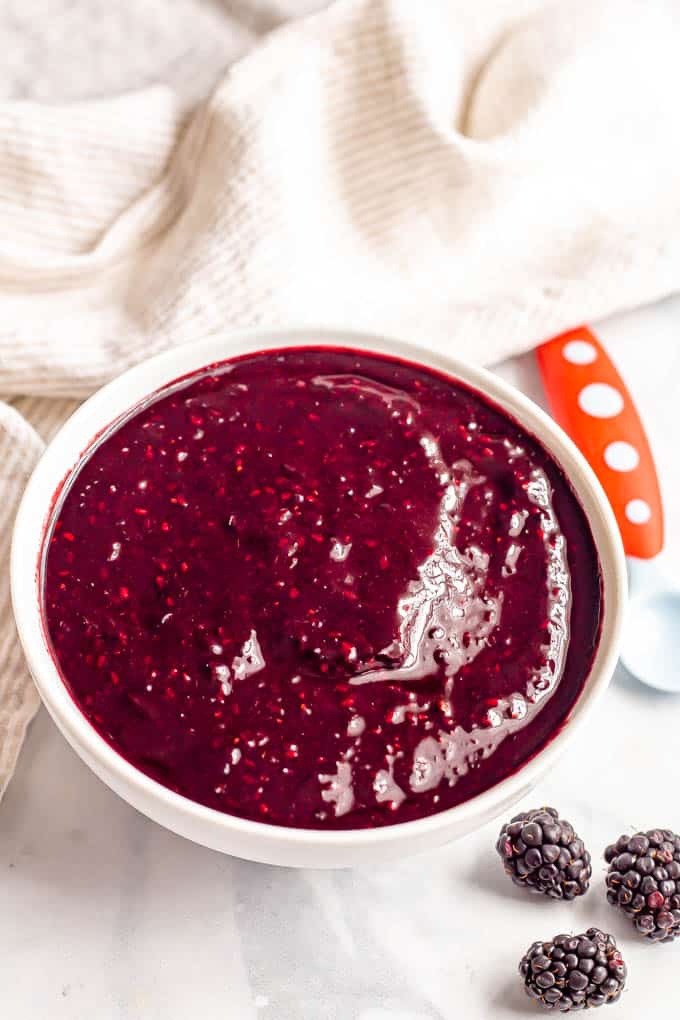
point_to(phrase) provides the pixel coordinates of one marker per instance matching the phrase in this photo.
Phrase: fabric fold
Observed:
(473, 176)
(20, 448)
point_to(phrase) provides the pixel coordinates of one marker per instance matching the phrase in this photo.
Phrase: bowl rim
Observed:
(76, 436)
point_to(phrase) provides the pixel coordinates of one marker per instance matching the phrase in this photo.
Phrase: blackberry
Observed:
(574, 971)
(644, 881)
(543, 853)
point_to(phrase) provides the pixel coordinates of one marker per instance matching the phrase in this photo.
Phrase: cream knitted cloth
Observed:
(474, 174)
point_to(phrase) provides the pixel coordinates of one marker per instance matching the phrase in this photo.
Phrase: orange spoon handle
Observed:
(590, 401)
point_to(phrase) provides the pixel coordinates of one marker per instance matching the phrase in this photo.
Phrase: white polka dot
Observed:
(638, 511)
(600, 400)
(579, 352)
(621, 456)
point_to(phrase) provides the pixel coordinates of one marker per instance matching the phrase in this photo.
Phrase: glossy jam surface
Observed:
(322, 588)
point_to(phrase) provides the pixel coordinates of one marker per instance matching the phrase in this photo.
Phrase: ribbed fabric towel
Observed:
(472, 174)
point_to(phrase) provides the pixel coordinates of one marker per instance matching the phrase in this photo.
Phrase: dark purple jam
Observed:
(322, 588)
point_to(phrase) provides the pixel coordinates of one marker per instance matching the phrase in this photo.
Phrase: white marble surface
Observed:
(105, 915)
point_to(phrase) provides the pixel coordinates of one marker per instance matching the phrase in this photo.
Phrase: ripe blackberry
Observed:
(644, 881)
(543, 853)
(574, 971)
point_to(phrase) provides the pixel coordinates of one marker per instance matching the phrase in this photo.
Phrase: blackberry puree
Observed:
(322, 588)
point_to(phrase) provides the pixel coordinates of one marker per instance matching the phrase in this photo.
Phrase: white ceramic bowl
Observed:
(255, 840)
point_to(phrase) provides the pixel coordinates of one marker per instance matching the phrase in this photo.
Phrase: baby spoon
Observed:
(590, 401)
